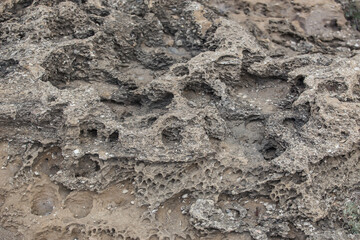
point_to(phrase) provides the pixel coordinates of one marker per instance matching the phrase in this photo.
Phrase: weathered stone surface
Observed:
(178, 119)
(206, 216)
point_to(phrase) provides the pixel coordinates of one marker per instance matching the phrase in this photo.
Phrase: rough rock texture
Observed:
(177, 119)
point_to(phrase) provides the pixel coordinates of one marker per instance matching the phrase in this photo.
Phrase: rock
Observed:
(222, 119)
(206, 215)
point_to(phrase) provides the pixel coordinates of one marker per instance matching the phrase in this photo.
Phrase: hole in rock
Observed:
(163, 102)
(43, 202)
(22, 4)
(334, 87)
(97, 167)
(199, 93)
(272, 150)
(86, 166)
(151, 121)
(48, 162)
(181, 71)
(92, 133)
(80, 204)
(300, 84)
(114, 136)
(43, 207)
(333, 25)
(171, 135)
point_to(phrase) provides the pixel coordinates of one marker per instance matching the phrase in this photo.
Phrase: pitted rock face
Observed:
(206, 216)
(178, 119)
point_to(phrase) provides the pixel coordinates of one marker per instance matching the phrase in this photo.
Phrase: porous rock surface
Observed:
(206, 119)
